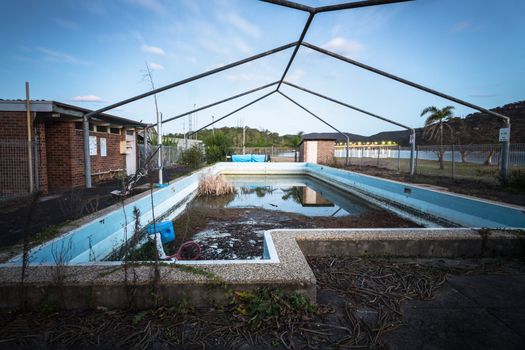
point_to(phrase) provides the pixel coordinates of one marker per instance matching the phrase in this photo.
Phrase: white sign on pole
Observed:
(92, 145)
(504, 134)
(412, 139)
(103, 150)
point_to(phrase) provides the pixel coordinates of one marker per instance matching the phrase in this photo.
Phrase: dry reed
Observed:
(214, 185)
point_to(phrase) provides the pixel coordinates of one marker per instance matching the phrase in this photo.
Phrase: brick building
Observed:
(58, 148)
(318, 148)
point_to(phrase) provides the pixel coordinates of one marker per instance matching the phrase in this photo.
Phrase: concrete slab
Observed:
(496, 291)
(445, 328)
(470, 312)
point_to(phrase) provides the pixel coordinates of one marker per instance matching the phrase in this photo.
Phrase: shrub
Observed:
(517, 179)
(218, 146)
(192, 158)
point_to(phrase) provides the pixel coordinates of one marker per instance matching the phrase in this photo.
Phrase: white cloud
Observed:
(460, 26)
(484, 95)
(156, 66)
(246, 77)
(295, 76)
(58, 56)
(152, 5)
(241, 46)
(343, 46)
(213, 47)
(65, 23)
(241, 24)
(153, 49)
(87, 98)
(191, 59)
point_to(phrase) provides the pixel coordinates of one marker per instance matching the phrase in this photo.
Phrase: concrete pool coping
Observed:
(117, 285)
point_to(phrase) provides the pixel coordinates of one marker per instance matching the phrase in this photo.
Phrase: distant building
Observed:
(57, 146)
(318, 148)
(322, 147)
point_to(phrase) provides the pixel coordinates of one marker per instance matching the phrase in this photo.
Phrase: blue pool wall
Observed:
(96, 239)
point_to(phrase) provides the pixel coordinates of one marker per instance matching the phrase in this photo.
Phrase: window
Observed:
(78, 125)
(102, 128)
(130, 132)
(114, 131)
(91, 127)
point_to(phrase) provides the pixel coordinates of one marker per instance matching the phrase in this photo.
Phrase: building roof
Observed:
(331, 136)
(64, 109)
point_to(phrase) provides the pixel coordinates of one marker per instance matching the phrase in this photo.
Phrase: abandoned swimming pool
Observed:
(96, 238)
(232, 226)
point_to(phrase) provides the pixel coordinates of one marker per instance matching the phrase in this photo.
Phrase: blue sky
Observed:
(93, 53)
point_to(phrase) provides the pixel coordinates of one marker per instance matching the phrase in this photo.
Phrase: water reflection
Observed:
(297, 194)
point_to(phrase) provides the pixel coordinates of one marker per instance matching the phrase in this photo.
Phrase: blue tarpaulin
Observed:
(249, 158)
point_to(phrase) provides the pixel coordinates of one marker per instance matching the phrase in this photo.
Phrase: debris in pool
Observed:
(273, 205)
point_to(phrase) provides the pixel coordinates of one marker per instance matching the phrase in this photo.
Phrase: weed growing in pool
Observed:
(214, 185)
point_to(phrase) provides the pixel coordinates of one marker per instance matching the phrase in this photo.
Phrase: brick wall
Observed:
(113, 162)
(14, 172)
(60, 155)
(325, 151)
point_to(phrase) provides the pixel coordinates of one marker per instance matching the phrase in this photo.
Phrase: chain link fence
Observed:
(14, 167)
(480, 162)
(170, 155)
(277, 154)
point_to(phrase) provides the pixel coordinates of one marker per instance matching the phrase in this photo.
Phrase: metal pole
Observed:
(453, 163)
(87, 156)
(505, 153)
(355, 4)
(311, 113)
(243, 139)
(414, 169)
(218, 102)
(235, 111)
(29, 148)
(347, 105)
(378, 153)
(193, 78)
(413, 163)
(506, 145)
(404, 81)
(301, 38)
(347, 148)
(290, 4)
(398, 158)
(145, 143)
(159, 144)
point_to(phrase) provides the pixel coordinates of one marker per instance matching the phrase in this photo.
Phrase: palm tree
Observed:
(294, 142)
(433, 129)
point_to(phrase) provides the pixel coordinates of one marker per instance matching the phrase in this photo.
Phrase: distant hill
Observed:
(475, 128)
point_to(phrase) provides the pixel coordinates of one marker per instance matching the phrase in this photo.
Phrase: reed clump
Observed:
(214, 185)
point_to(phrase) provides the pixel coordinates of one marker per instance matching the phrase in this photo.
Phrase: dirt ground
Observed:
(480, 189)
(359, 304)
(237, 233)
(53, 210)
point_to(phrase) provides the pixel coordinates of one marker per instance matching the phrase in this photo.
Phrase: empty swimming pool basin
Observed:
(97, 237)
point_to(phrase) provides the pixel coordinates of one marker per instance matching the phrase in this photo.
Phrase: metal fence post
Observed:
(362, 155)
(398, 158)
(417, 156)
(453, 162)
(378, 153)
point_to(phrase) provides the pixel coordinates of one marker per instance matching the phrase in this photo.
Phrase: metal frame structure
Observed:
(297, 45)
